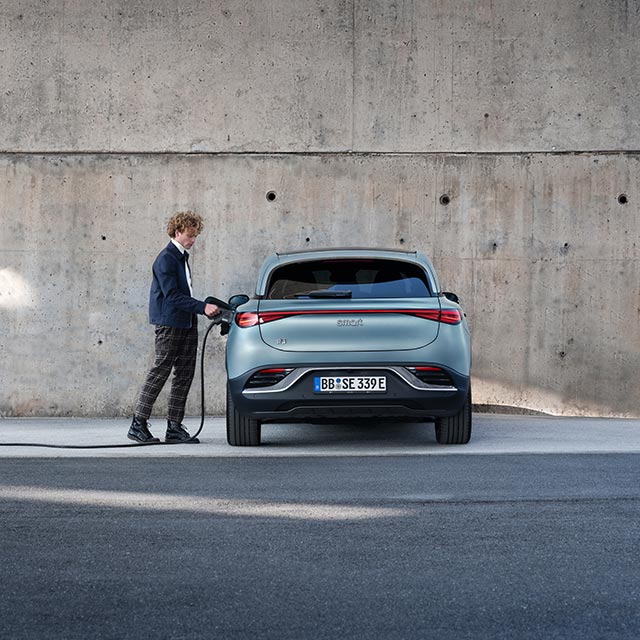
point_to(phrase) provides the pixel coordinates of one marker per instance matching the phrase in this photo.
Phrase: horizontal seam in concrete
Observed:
(596, 152)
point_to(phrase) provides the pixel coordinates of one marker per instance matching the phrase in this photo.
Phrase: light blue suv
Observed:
(345, 335)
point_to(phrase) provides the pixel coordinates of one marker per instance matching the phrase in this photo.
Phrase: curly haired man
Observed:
(174, 312)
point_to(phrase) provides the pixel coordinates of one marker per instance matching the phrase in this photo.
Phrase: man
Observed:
(173, 310)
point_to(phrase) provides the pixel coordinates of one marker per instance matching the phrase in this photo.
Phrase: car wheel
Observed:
(456, 429)
(242, 431)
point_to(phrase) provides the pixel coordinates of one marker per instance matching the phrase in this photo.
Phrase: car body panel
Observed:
(247, 353)
(359, 325)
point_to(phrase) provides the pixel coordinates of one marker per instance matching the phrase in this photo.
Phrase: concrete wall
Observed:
(360, 115)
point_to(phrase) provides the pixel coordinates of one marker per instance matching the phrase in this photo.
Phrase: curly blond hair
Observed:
(183, 220)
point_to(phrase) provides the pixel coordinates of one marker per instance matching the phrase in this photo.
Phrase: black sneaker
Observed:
(177, 433)
(139, 431)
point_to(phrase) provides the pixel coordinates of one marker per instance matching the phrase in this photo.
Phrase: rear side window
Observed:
(363, 278)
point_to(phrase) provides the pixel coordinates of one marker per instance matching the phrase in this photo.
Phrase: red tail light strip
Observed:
(448, 316)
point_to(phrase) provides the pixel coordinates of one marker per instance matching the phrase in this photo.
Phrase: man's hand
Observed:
(211, 310)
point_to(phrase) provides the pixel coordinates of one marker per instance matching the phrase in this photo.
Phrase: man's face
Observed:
(187, 237)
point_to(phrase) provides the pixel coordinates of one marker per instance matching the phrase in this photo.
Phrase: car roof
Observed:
(279, 259)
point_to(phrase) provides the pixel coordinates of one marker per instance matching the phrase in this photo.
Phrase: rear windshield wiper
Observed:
(325, 293)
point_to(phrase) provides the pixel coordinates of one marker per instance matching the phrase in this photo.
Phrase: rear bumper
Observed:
(294, 399)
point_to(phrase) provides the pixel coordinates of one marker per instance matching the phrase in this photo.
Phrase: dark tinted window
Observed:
(363, 278)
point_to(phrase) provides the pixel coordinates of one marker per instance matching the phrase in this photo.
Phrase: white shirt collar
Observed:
(181, 249)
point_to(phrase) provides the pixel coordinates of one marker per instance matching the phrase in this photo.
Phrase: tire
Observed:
(456, 429)
(242, 431)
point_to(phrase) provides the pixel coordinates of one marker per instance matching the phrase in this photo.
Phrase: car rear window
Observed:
(363, 278)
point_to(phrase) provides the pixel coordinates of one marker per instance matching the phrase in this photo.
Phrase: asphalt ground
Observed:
(530, 531)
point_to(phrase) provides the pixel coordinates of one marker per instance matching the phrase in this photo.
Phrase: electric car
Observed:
(348, 334)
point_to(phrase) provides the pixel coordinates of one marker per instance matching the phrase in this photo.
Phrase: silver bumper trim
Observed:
(401, 372)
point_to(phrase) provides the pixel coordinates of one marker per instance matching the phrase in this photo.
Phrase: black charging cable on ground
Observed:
(217, 320)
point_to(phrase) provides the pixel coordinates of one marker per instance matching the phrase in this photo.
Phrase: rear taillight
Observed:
(247, 319)
(251, 319)
(448, 316)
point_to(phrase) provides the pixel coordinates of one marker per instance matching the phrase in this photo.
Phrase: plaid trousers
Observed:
(175, 349)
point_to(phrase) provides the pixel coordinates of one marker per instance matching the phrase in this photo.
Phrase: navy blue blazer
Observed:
(170, 302)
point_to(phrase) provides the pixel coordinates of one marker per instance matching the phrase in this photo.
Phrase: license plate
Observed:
(334, 384)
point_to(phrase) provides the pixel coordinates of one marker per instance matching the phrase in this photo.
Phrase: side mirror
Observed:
(451, 296)
(237, 300)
